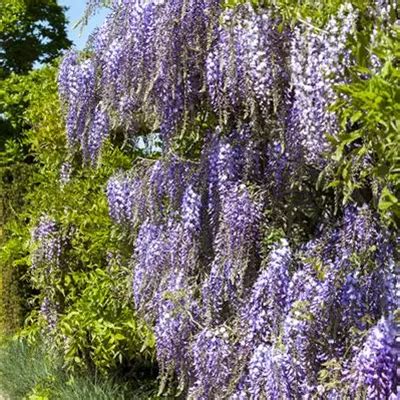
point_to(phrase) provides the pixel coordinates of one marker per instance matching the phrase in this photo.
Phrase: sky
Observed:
(74, 14)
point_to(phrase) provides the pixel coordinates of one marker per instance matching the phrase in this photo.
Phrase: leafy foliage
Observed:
(367, 150)
(30, 31)
(16, 179)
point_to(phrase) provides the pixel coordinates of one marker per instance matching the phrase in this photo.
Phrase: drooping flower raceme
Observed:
(99, 131)
(48, 241)
(374, 368)
(120, 194)
(317, 61)
(267, 305)
(245, 69)
(212, 360)
(269, 375)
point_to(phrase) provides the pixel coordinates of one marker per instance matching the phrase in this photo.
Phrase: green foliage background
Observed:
(98, 328)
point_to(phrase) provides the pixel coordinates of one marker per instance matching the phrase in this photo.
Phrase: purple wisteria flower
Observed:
(98, 132)
(318, 60)
(121, 191)
(65, 173)
(234, 243)
(269, 375)
(49, 313)
(212, 361)
(245, 68)
(49, 245)
(175, 325)
(267, 305)
(76, 87)
(191, 212)
(151, 252)
(374, 368)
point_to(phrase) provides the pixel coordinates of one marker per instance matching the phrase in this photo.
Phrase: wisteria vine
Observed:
(240, 309)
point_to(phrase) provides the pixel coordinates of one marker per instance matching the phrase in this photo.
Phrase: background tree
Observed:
(30, 31)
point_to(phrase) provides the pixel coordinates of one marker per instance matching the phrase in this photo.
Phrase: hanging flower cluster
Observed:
(46, 261)
(374, 368)
(235, 314)
(148, 62)
(317, 62)
(46, 236)
(282, 319)
(246, 67)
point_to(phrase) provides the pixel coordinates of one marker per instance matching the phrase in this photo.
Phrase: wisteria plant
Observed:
(257, 282)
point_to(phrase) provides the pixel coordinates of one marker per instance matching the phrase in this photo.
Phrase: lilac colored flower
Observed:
(269, 376)
(65, 173)
(245, 65)
(191, 210)
(212, 361)
(67, 83)
(241, 215)
(49, 313)
(174, 325)
(48, 241)
(150, 255)
(267, 305)
(98, 132)
(318, 61)
(374, 367)
(121, 191)
(235, 241)
(76, 88)
(277, 166)
(46, 227)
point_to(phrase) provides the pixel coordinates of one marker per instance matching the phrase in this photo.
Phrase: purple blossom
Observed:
(269, 375)
(267, 305)
(45, 228)
(318, 61)
(174, 325)
(49, 313)
(235, 242)
(244, 67)
(121, 192)
(212, 361)
(65, 173)
(98, 132)
(76, 87)
(374, 367)
(191, 212)
(49, 246)
(150, 255)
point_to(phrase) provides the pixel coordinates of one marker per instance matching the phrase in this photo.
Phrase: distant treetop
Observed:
(30, 31)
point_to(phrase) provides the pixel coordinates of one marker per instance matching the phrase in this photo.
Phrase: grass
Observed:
(32, 372)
